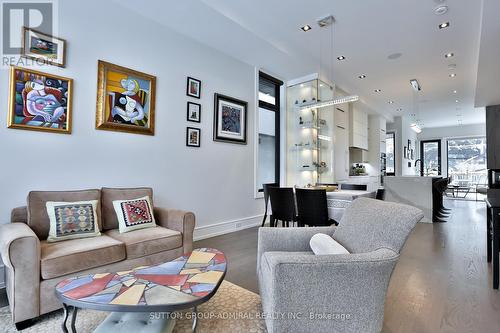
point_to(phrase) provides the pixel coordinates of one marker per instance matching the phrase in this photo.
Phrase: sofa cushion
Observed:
(38, 219)
(143, 242)
(110, 220)
(74, 255)
(71, 220)
(134, 214)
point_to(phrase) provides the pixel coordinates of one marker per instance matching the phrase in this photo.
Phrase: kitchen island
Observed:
(415, 191)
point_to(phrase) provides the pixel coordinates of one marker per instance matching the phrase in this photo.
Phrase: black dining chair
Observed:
(356, 187)
(327, 184)
(265, 188)
(282, 206)
(312, 208)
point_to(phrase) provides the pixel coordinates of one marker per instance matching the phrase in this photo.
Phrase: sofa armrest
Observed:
(287, 239)
(178, 220)
(352, 285)
(20, 250)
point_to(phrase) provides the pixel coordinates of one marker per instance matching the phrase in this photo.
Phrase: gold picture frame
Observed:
(125, 99)
(39, 101)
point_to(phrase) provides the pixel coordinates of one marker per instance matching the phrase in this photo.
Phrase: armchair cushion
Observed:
(71, 256)
(38, 219)
(143, 242)
(323, 244)
(370, 224)
(110, 220)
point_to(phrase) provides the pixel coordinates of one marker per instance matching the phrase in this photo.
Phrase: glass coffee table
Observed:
(183, 283)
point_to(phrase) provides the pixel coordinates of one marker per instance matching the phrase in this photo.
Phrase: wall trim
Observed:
(226, 227)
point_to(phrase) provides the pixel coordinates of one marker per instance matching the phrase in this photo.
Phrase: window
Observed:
(430, 158)
(390, 140)
(268, 156)
(467, 161)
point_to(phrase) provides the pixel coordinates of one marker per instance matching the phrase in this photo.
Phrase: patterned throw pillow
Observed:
(134, 214)
(70, 220)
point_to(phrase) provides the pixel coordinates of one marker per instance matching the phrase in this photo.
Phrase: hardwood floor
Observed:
(442, 282)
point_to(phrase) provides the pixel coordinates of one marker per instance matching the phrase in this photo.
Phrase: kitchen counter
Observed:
(411, 190)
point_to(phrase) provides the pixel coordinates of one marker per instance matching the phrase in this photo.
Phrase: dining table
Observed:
(338, 201)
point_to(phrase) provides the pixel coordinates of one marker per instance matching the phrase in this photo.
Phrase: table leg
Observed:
(73, 319)
(496, 234)
(65, 318)
(195, 319)
(488, 233)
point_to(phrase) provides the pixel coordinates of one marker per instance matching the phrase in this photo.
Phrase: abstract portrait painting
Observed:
(39, 101)
(125, 100)
(230, 120)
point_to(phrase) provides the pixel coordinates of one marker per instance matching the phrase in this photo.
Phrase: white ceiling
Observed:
(266, 33)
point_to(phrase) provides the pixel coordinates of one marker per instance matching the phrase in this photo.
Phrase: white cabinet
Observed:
(358, 123)
(341, 151)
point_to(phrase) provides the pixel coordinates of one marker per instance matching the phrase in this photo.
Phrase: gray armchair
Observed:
(303, 292)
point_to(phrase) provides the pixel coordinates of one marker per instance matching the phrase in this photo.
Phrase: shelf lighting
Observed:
(416, 128)
(318, 105)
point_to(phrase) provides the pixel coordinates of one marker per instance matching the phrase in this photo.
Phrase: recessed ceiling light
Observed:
(440, 10)
(340, 58)
(454, 91)
(306, 27)
(449, 55)
(362, 76)
(453, 75)
(444, 25)
(399, 109)
(391, 102)
(377, 90)
(456, 101)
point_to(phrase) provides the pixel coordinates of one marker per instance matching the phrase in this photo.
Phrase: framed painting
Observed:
(125, 100)
(230, 120)
(44, 48)
(39, 101)
(193, 137)
(193, 112)
(193, 88)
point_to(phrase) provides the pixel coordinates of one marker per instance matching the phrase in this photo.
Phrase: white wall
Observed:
(215, 181)
(444, 133)
(401, 126)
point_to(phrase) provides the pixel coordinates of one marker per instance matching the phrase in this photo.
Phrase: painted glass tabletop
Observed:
(185, 281)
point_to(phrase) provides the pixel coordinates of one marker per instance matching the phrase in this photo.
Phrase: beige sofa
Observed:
(34, 266)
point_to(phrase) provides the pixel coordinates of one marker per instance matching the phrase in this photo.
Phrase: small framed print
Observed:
(409, 144)
(193, 112)
(405, 155)
(193, 137)
(230, 120)
(193, 88)
(44, 48)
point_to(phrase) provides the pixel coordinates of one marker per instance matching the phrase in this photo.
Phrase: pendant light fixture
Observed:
(327, 22)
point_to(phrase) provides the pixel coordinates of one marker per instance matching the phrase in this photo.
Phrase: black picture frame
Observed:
(190, 143)
(188, 84)
(221, 135)
(188, 111)
(409, 144)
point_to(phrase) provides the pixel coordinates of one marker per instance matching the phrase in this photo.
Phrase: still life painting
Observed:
(125, 99)
(39, 101)
(44, 48)
(230, 120)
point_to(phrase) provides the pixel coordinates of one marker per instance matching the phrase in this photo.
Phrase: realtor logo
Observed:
(38, 15)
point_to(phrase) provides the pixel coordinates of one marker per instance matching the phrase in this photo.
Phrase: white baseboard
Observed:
(226, 227)
(2, 276)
